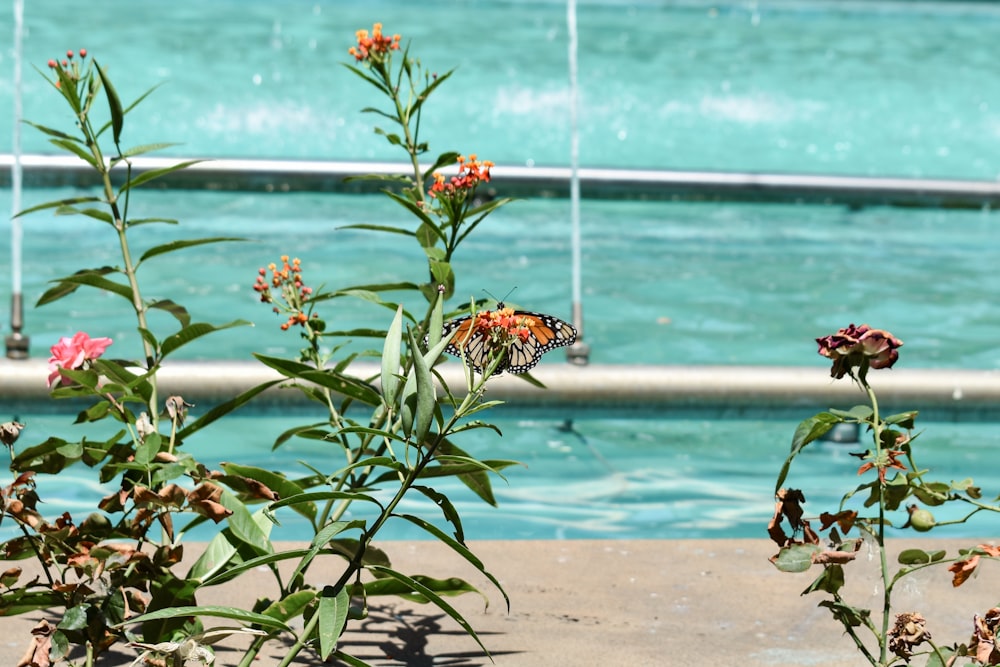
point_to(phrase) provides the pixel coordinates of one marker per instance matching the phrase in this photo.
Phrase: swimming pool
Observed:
(593, 478)
(882, 88)
(766, 86)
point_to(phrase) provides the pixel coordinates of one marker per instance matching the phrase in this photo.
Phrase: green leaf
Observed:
(332, 618)
(75, 148)
(147, 449)
(919, 556)
(447, 508)
(225, 408)
(435, 82)
(847, 615)
(180, 245)
(859, 413)
(95, 213)
(903, 419)
(417, 210)
(147, 148)
(424, 589)
(796, 558)
(152, 174)
(231, 613)
(88, 277)
(425, 395)
(807, 431)
(51, 132)
(74, 618)
(317, 496)
(22, 601)
(380, 228)
(243, 525)
(290, 606)
(390, 357)
(831, 580)
(59, 203)
(194, 331)
(459, 548)
(114, 105)
(179, 312)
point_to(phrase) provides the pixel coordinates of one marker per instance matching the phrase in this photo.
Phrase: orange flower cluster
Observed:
(294, 292)
(471, 172)
(503, 322)
(377, 44)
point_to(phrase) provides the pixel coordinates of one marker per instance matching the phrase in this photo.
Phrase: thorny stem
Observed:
(877, 428)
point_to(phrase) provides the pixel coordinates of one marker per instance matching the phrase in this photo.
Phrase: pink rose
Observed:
(73, 352)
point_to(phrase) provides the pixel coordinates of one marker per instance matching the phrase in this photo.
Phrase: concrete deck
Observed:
(636, 603)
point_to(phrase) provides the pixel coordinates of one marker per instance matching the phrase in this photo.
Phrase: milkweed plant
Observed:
(896, 493)
(121, 576)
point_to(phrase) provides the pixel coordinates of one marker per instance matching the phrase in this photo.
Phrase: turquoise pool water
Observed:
(878, 88)
(900, 88)
(602, 478)
(663, 283)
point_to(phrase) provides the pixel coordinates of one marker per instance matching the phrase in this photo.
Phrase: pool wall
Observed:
(517, 181)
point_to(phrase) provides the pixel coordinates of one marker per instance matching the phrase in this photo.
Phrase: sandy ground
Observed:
(656, 602)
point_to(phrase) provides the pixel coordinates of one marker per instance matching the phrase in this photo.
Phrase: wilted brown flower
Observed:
(908, 632)
(983, 645)
(853, 346)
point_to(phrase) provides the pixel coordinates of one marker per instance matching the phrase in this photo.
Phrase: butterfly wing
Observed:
(476, 344)
(546, 333)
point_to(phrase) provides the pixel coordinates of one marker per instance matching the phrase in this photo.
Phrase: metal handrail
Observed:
(509, 180)
(600, 390)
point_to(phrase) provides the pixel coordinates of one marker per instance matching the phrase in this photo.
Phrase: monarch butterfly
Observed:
(534, 334)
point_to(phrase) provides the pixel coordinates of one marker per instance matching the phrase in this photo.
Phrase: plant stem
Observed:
(877, 428)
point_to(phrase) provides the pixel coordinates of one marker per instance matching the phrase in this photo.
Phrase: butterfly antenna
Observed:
(504, 299)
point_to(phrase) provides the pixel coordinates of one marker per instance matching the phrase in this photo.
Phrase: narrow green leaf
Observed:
(447, 509)
(114, 106)
(390, 357)
(231, 613)
(427, 591)
(317, 496)
(426, 396)
(459, 548)
(51, 132)
(416, 209)
(225, 408)
(243, 524)
(195, 331)
(180, 245)
(146, 148)
(179, 312)
(291, 605)
(59, 203)
(380, 228)
(332, 618)
(76, 149)
(221, 576)
(153, 174)
(90, 278)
